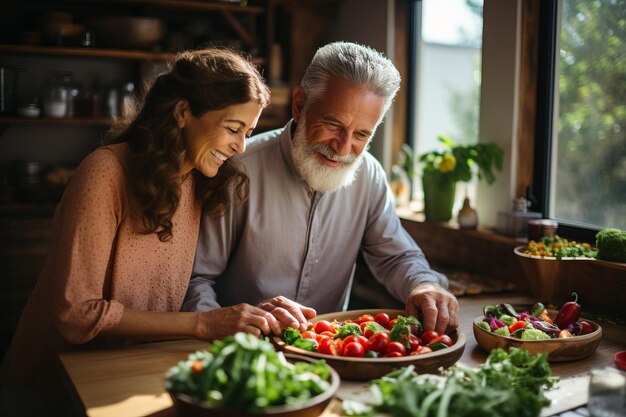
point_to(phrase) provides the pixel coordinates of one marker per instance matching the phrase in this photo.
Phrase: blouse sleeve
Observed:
(85, 229)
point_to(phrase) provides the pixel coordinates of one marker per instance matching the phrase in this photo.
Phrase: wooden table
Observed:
(129, 381)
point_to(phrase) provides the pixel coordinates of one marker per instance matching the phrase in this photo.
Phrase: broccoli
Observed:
(611, 245)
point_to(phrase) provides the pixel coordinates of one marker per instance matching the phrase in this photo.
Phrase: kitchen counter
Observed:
(129, 381)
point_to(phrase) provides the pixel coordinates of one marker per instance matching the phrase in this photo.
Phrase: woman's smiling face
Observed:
(215, 136)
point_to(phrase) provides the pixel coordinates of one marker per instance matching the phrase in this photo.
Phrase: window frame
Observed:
(547, 91)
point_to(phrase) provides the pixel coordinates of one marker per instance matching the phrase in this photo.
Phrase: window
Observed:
(582, 181)
(446, 74)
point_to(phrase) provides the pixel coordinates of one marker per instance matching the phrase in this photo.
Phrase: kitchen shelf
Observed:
(47, 121)
(264, 122)
(186, 5)
(95, 52)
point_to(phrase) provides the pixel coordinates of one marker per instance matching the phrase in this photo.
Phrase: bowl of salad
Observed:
(562, 334)
(242, 376)
(366, 344)
(547, 263)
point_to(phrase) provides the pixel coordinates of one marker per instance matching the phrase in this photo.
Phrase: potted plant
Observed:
(442, 169)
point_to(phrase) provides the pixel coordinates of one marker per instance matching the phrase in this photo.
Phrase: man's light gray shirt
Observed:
(287, 241)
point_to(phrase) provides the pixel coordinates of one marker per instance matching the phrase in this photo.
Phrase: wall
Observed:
(372, 26)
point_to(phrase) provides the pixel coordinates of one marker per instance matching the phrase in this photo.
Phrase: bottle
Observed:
(113, 102)
(55, 95)
(129, 99)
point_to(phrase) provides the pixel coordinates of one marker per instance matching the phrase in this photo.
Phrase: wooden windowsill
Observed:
(601, 285)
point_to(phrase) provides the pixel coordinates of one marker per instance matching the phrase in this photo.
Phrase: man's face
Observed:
(332, 133)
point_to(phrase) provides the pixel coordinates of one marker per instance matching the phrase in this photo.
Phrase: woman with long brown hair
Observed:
(125, 231)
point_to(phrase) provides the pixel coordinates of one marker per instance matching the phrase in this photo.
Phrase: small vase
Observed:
(467, 218)
(400, 186)
(439, 190)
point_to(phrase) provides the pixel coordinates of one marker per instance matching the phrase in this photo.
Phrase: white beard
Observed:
(318, 176)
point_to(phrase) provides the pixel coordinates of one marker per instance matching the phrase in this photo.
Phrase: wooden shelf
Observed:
(46, 121)
(186, 5)
(95, 52)
(264, 123)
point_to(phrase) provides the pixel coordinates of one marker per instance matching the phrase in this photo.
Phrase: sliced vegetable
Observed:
(517, 325)
(534, 334)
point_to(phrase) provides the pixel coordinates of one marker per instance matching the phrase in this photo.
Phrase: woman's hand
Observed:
(222, 322)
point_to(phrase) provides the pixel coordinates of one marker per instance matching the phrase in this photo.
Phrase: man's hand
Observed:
(439, 307)
(288, 313)
(226, 321)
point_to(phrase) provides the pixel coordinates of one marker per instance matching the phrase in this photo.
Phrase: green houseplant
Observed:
(443, 168)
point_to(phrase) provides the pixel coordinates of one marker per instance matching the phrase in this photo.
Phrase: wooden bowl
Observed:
(186, 407)
(128, 32)
(558, 350)
(547, 276)
(364, 369)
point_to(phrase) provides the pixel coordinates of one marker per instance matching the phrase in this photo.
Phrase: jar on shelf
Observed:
(56, 94)
(129, 99)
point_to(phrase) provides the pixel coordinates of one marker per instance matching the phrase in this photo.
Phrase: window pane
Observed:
(448, 76)
(589, 182)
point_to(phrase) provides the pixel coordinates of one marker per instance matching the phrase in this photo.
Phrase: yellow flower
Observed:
(447, 164)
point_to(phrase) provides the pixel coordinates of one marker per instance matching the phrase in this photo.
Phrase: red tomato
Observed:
(414, 342)
(327, 347)
(390, 324)
(421, 350)
(339, 346)
(354, 349)
(444, 338)
(367, 333)
(362, 326)
(323, 326)
(393, 354)
(365, 318)
(319, 337)
(378, 342)
(428, 336)
(328, 334)
(362, 340)
(396, 347)
(309, 335)
(382, 319)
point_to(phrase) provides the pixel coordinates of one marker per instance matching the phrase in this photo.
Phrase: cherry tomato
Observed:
(362, 326)
(362, 340)
(365, 318)
(328, 334)
(327, 347)
(309, 334)
(339, 346)
(421, 350)
(444, 338)
(396, 347)
(393, 354)
(323, 326)
(428, 336)
(414, 342)
(382, 319)
(390, 324)
(319, 337)
(378, 342)
(354, 349)
(367, 333)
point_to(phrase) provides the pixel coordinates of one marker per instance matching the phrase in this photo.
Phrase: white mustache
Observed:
(329, 153)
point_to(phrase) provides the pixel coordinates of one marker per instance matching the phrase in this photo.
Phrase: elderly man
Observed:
(316, 199)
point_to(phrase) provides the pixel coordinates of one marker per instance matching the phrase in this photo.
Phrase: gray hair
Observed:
(358, 64)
